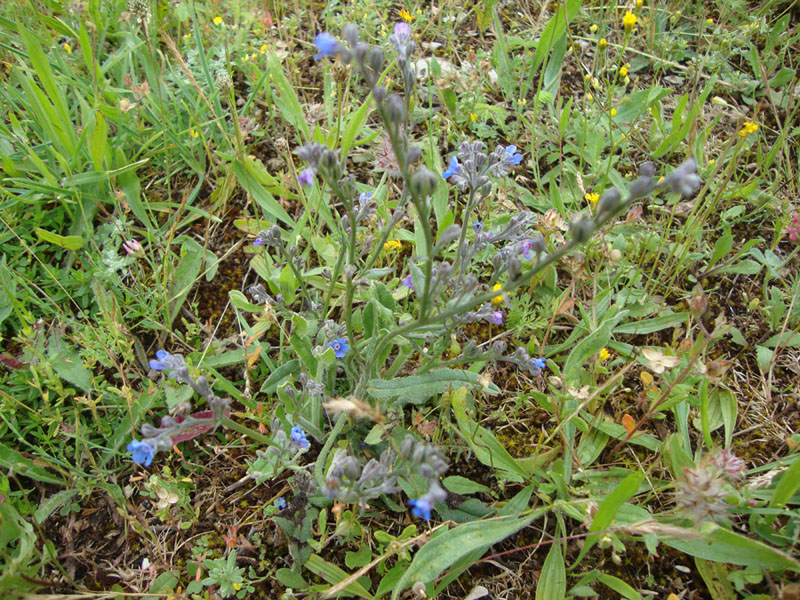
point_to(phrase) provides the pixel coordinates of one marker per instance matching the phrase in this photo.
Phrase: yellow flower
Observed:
(629, 20)
(187, 36)
(748, 128)
(604, 354)
(626, 81)
(263, 48)
(613, 112)
(589, 97)
(709, 21)
(246, 57)
(193, 133)
(639, 3)
(623, 71)
(393, 245)
(595, 83)
(253, 56)
(236, 586)
(602, 43)
(217, 20)
(497, 299)
(593, 28)
(405, 15)
(67, 48)
(592, 198)
(522, 101)
(473, 117)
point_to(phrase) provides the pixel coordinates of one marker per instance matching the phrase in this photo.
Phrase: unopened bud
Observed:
(413, 154)
(375, 59)
(698, 302)
(647, 169)
(379, 93)
(608, 202)
(395, 109)
(350, 33)
(423, 182)
(581, 229)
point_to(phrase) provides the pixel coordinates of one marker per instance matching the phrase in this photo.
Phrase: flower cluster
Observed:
(794, 229)
(700, 493)
(471, 167)
(182, 426)
(282, 455)
(520, 357)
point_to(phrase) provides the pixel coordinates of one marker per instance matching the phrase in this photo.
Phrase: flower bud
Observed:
(375, 59)
(329, 160)
(350, 33)
(581, 229)
(379, 94)
(608, 202)
(423, 182)
(360, 51)
(413, 154)
(395, 109)
(641, 187)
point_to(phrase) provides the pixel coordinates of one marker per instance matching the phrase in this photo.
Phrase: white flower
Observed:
(657, 362)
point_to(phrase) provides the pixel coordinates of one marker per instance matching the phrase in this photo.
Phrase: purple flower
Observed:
(452, 169)
(298, 437)
(497, 317)
(340, 347)
(258, 241)
(159, 365)
(511, 156)
(527, 246)
(408, 283)
(402, 29)
(421, 508)
(280, 503)
(306, 177)
(142, 452)
(477, 227)
(326, 44)
(132, 246)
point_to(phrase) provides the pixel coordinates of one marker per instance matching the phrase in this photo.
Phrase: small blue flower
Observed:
(298, 437)
(326, 44)
(527, 246)
(408, 283)
(280, 503)
(340, 347)
(497, 317)
(477, 227)
(258, 242)
(158, 365)
(540, 363)
(306, 177)
(452, 169)
(142, 451)
(512, 157)
(421, 508)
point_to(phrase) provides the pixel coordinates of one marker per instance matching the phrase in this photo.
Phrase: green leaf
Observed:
(333, 575)
(189, 265)
(16, 463)
(553, 580)
(646, 326)
(52, 503)
(483, 443)
(619, 586)
(787, 485)
(715, 576)
(67, 362)
(247, 177)
(291, 579)
(240, 301)
(608, 510)
(69, 242)
(721, 545)
(588, 347)
(416, 389)
(446, 548)
(286, 98)
(463, 486)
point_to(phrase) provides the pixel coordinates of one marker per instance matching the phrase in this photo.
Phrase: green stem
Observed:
(319, 466)
(243, 429)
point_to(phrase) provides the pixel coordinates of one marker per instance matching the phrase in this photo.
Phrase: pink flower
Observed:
(132, 246)
(794, 229)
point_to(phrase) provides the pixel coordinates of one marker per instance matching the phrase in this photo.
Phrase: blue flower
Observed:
(340, 347)
(421, 508)
(142, 451)
(326, 44)
(306, 177)
(158, 365)
(280, 503)
(408, 283)
(298, 437)
(258, 241)
(540, 363)
(497, 317)
(452, 169)
(511, 155)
